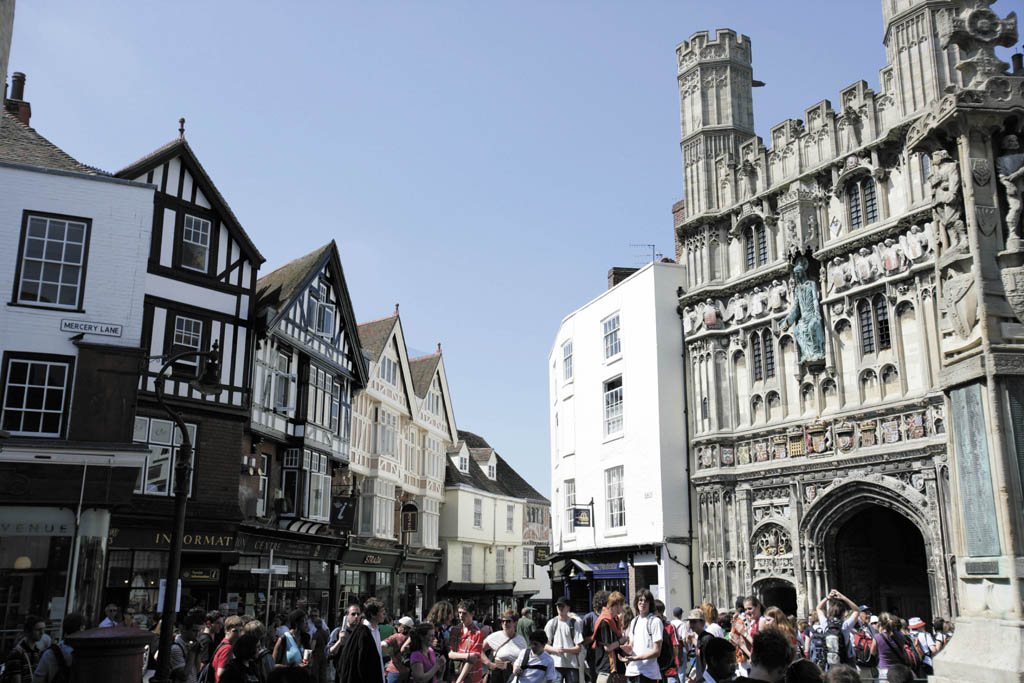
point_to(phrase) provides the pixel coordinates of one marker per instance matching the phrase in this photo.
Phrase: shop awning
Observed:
(476, 588)
(600, 570)
(301, 526)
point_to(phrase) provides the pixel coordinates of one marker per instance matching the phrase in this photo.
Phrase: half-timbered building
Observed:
(308, 365)
(402, 426)
(200, 287)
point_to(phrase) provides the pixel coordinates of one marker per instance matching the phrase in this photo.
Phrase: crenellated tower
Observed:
(716, 110)
(918, 69)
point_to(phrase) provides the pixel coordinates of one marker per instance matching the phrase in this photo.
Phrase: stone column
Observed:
(980, 302)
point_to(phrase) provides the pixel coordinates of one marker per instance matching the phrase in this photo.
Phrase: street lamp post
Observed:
(208, 383)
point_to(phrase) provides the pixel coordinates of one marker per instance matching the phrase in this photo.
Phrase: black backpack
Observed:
(667, 656)
(63, 669)
(828, 645)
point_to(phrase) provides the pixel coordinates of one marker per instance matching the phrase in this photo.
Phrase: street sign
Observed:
(273, 569)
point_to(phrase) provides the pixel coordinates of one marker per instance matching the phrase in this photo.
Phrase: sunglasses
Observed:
(507, 621)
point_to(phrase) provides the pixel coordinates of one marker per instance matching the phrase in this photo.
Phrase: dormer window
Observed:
(491, 474)
(195, 244)
(463, 464)
(434, 398)
(321, 310)
(861, 204)
(389, 371)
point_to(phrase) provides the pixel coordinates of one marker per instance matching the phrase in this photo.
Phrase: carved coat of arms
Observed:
(779, 450)
(743, 454)
(868, 436)
(727, 456)
(761, 451)
(844, 436)
(890, 431)
(796, 442)
(960, 302)
(811, 492)
(915, 425)
(817, 438)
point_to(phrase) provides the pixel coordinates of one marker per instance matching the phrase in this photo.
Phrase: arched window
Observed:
(882, 320)
(757, 359)
(751, 249)
(769, 354)
(873, 315)
(861, 204)
(756, 247)
(704, 408)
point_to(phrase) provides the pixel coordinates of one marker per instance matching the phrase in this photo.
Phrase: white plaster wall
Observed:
(651, 448)
(122, 219)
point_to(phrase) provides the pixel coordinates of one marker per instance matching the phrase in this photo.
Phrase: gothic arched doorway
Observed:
(778, 593)
(879, 558)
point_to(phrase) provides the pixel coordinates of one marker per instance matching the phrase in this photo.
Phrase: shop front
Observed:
(491, 599)
(417, 585)
(54, 520)
(578, 578)
(137, 562)
(312, 562)
(367, 572)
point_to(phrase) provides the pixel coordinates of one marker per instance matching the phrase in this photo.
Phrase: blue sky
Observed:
(482, 163)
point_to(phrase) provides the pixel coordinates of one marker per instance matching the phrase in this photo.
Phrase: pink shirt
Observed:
(427, 660)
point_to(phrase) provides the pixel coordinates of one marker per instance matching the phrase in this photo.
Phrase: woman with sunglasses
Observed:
(501, 649)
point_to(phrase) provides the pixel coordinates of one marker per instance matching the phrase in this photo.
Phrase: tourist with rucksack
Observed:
(24, 656)
(55, 662)
(830, 642)
(865, 649)
(184, 654)
(645, 637)
(668, 660)
(892, 646)
(565, 640)
(264, 655)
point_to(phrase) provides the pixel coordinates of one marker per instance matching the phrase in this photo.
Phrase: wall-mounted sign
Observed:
(343, 512)
(581, 517)
(372, 559)
(153, 539)
(90, 327)
(201, 574)
(540, 554)
(32, 521)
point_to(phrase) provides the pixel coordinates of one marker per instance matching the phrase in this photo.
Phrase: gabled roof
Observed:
(279, 288)
(21, 144)
(281, 285)
(514, 483)
(423, 369)
(507, 481)
(374, 335)
(180, 147)
(473, 440)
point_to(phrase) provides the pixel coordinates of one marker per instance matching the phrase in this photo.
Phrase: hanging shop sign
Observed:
(581, 517)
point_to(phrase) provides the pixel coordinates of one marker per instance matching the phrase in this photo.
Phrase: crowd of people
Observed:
(842, 642)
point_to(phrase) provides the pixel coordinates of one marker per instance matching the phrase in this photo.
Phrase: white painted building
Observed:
(484, 530)
(618, 443)
(74, 264)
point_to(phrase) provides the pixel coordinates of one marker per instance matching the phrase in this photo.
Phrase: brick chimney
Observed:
(16, 104)
(619, 273)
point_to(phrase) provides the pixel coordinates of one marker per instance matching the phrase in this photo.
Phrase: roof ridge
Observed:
(425, 356)
(292, 261)
(67, 158)
(378, 320)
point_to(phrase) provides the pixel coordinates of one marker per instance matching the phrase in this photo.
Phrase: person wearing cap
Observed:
(925, 642)
(398, 644)
(862, 637)
(699, 639)
(534, 665)
(565, 640)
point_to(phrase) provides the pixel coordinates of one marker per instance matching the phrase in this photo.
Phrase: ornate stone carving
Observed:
(806, 313)
(945, 183)
(977, 31)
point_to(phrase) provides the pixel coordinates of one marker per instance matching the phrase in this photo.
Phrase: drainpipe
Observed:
(686, 460)
(69, 590)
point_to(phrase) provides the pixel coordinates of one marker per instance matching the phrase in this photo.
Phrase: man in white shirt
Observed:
(535, 665)
(644, 639)
(110, 620)
(565, 638)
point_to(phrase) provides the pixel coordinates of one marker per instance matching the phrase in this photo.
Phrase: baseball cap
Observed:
(562, 600)
(864, 608)
(695, 615)
(915, 622)
(407, 622)
(873, 619)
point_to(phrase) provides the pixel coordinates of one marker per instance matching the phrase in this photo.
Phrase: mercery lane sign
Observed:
(89, 327)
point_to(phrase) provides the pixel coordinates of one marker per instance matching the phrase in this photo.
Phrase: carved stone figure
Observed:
(689, 320)
(737, 308)
(892, 256)
(866, 266)
(757, 302)
(1010, 169)
(806, 313)
(915, 242)
(776, 295)
(838, 275)
(945, 183)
